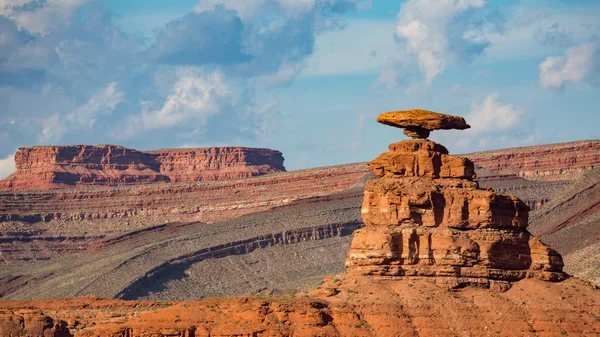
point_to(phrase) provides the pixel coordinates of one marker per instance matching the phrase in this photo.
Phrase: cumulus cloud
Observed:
(213, 36)
(101, 103)
(578, 64)
(66, 68)
(494, 124)
(7, 166)
(194, 96)
(491, 115)
(433, 30)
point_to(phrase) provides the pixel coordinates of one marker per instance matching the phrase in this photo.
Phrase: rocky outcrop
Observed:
(427, 223)
(49, 167)
(31, 323)
(565, 161)
(349, 308)
(217, 163)
(47, 224)
(419, 123)
(426, 217)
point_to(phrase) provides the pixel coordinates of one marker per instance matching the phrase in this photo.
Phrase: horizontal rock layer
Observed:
(426, 217)
(47, 224)
(344, 306)
(47, 167)
(565, 161)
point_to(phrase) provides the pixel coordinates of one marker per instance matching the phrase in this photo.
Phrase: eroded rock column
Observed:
(426, 217)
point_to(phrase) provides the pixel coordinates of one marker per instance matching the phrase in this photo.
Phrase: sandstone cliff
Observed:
(565, 161)
(428, 228)
(217, 163)
(426, 217)
(50, 167)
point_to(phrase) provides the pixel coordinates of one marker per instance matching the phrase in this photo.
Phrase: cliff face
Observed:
(45, 167)
(566, 161)
(217, 163)
(426, 217)
(49, 167)
(46, 224)
(428, 228)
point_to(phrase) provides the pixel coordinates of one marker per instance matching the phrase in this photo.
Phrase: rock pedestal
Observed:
(426, 217)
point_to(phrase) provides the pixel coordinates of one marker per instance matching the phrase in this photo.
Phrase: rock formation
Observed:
(217, 163)
(564, 161)
(418, 123)
(48, 167)
(427, 222)
(426, 217)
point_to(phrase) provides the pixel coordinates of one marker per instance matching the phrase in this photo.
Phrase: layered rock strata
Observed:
(426, 217)
(48, 167)
(419, 123)
(565, 161)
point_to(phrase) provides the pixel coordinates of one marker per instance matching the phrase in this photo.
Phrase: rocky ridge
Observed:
(427, 224)
(51, 167)
(564, 161)
(48, 224)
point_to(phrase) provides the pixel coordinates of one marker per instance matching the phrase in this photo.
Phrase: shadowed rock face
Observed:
(426, 217)
(48, 167)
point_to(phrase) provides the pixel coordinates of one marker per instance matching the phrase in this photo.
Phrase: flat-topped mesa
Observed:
(419, 123)
(426, 217)
(50, 167)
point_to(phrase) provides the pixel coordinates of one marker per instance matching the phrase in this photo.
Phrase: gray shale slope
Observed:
(281, 250)
(284, 249)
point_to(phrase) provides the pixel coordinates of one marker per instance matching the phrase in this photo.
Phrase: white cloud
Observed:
(7, 166)
(195, 96)
(494, 124)
(579, 63)
(492, 115)
(101, 103)
(42, 19)
(429, 29)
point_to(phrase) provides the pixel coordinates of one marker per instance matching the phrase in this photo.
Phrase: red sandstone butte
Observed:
(51, 167)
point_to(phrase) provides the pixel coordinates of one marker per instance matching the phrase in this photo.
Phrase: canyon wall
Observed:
(217, 163)
(51, 167)
(565, 161)
(45, 224)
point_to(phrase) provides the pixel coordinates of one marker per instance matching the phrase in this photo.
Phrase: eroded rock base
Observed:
(426, 217)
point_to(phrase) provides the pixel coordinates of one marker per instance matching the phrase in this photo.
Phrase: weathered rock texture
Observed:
(343, 307)
(426, 217)
(217, 163)
(418, 123)
(48, 167)
(565, 161)
(47, 224)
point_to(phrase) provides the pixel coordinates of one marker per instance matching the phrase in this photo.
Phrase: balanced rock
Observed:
(418, 123)
(426, 217)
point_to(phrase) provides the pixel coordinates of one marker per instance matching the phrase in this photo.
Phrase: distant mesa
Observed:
(49, 167)
(419, 123)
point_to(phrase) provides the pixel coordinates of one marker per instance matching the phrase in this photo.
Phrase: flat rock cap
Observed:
(424, 119)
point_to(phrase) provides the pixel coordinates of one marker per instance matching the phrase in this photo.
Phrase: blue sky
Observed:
(306, 77)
